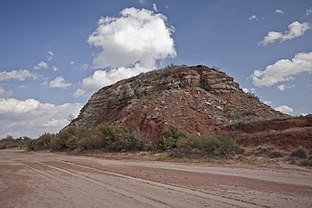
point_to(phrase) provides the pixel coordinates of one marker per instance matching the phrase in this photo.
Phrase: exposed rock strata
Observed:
(195, 99)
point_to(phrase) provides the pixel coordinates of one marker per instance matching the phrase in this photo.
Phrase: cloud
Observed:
(142, 2)
(71, 63)
(32, 118)
(284, 109)
(41, 65)
(137, 36)
(101, 78)
(308, 11)
(84, 66)
(295, 29)
(281, 87)
(283, 70)
(253, 17)
(246, 90)
(4, 93)
(80, 93)
(20, 75)
(155, 7)
(279, 11)
(130, 44)
(50, 55)
(284, 87)
(54, 68)
(59, 82)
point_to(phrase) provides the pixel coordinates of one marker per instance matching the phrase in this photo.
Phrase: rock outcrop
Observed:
(195, 99)
(287, 133)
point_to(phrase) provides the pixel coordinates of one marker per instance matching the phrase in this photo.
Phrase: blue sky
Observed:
(54, 54)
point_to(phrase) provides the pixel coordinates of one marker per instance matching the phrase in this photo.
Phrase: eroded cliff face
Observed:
(195, 99)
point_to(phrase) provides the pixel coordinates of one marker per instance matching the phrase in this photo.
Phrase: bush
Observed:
(218, 146)
(169, 139)
(10, 142)
(299, 153)
(43, 142)
(252, 95)
(267, 152)
(113, 138)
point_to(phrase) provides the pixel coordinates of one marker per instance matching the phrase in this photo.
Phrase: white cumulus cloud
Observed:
(279, 11)
(253, 17)
(50, 55)
(84, 66)
(31, 117)
(101, 78)
(295, 29)
(41, 65)
(59, 82)
(4, 93)
(137, 36)
(155, 7)
(80, 92)
(20, 75)
(54, 68)
(284, 87)
(283, 70)
(130, 44)
(284, 109)
(308, 11)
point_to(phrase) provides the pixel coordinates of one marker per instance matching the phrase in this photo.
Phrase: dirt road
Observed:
(58, 180)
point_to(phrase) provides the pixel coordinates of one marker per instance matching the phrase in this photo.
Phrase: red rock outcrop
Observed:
(284, 134)
(195, 99)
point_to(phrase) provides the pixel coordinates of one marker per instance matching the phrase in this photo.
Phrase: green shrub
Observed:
(299, 153)
(10, 142)
(112, 138)
(169, 139)
(3, 145)
(43, 142)
(57, 144)
(218, 146)
(115, 139)
(221, 146)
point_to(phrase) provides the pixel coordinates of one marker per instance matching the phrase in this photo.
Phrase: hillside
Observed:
(196, 99)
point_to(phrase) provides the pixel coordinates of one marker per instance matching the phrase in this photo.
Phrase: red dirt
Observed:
(58, 180)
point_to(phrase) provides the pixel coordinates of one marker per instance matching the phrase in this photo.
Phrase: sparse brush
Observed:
(267, 152)
(299, 153)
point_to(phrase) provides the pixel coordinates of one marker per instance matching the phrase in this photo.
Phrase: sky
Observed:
(55, 54)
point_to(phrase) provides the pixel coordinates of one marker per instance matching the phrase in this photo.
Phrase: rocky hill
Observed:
(195, 99)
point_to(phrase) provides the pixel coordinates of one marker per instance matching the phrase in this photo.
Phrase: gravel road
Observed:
(32, 179)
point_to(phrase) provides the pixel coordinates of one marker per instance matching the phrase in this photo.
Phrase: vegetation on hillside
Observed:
(109, 138)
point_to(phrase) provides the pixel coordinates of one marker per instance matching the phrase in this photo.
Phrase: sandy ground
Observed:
(33, 180)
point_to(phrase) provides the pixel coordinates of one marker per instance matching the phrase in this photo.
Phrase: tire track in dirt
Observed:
(57, 177)
(175, 187)
(108, 186)
(60, 180)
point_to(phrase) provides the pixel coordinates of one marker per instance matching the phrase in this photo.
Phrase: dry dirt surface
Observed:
(29, 179)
